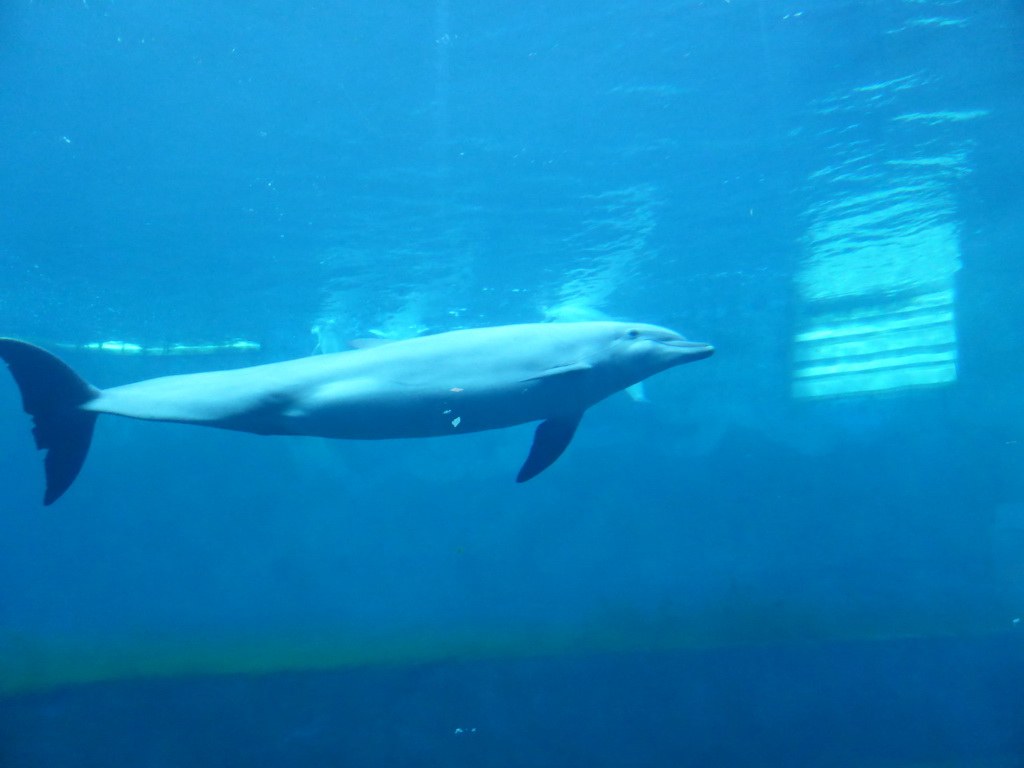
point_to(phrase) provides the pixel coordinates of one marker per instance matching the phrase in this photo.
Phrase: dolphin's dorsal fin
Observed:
(561, 370)
(549, 441)
(369, 343)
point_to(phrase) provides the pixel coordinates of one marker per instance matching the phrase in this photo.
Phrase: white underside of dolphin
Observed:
(460, 381)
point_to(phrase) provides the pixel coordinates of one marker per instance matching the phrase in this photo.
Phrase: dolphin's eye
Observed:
(633, 333)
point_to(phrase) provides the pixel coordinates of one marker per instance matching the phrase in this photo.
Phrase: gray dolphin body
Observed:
(460, 381)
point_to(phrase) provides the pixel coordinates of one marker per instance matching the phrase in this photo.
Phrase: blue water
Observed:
(727, 574)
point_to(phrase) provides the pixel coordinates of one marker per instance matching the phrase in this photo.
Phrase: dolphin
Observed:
(444, 384)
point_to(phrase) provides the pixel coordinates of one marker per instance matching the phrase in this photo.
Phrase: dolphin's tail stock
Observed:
(51, 394)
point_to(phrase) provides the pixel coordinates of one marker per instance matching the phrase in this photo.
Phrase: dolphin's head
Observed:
(651, 348)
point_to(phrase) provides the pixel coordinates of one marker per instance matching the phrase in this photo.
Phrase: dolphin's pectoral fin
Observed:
(549, 441)
(562, 370)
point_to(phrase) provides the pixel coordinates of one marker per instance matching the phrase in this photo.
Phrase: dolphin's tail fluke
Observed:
(51, 393)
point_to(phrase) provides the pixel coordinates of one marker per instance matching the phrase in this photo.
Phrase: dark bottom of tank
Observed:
(948, 702)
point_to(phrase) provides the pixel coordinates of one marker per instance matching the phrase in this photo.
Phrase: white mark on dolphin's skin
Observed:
(446, 411)
(456, 420)
(455, 389)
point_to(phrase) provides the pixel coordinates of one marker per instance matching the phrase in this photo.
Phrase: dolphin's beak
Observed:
(694, 350)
